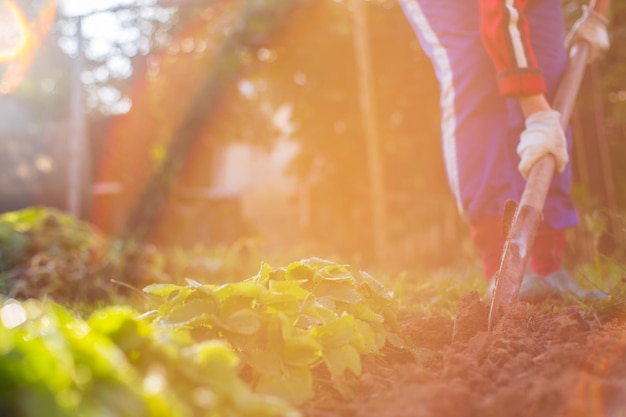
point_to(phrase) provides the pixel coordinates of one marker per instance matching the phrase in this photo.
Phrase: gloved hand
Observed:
(591, 27)
(543, 135)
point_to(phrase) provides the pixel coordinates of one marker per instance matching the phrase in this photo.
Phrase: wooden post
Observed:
(378, 200)
(76, 142)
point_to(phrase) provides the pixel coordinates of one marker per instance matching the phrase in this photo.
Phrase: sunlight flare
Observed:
(20, 39)
(13, 29)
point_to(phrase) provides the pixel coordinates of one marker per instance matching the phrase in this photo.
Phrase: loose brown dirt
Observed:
(536, 362)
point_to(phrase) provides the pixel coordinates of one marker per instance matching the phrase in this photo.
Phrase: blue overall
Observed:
(480, 128)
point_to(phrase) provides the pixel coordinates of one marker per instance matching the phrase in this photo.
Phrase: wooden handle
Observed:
(528, 214)
(570, 82)
(540, 175)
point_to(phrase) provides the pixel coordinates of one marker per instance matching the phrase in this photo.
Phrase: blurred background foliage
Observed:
(210, 121)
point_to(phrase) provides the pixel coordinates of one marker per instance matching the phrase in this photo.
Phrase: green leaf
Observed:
(317, 263)
(253, 405)
(121, 325)
(326, 302)
(286, 303)
(278, 274)
(191, 310)
(380, 334)
(301, 350)
(334, 273)
(174, 300)
(212, 362)
(245, 321)
(266, 361)
(118, 399)
(319, 313)
(294, 385)
(293, 287)
(342, 290)
(364, 339)
(163, 290)
(215, 355)
(298, 271)
(337, 333)
(202, 288)
(248, 289)
(263, 275)
(364, 312)
(339, 359)
(374, 286)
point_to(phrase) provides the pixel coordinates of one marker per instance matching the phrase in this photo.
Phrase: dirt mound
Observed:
(534, 363)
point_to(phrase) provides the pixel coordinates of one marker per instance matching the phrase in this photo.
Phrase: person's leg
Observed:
(479, 146)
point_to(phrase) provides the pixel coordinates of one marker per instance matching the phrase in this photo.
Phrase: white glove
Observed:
(591, 27)
(543, 135)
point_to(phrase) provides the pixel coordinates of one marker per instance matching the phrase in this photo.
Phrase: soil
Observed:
(536, 362)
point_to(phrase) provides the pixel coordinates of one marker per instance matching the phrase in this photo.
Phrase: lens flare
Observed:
(20, 39)
(136, 144)
(13, 30)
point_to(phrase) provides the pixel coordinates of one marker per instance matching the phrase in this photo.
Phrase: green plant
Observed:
(116, 364)
(285, 322)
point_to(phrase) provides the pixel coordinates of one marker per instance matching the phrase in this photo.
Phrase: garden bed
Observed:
(537, 362)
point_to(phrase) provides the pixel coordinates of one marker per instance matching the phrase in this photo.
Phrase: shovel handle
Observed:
(540, 176)
(528, 214)
(570, 81)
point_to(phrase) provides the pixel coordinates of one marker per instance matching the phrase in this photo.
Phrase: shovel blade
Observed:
(514, 260)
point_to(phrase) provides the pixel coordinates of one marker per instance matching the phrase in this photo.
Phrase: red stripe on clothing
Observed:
(509, 46)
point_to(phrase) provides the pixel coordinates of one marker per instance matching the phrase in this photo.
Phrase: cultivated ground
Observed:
(537, 362)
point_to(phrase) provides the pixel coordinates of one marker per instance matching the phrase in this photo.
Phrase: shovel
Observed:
(527, 216)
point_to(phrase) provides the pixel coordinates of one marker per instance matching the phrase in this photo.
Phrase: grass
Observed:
(436, 291)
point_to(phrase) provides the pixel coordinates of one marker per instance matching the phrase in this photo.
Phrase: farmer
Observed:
(498, 63)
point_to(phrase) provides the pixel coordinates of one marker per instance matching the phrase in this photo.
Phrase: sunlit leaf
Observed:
(203, 288)
(121, 325)
(122, 402)
(337, 333)
(321, 314)
(364, 339)
(374, 286)
(248, 288)
(326, 302)
(301, 350)
(342, 290)
(191, 310)
(299, 271)
(342, 358)
(174, 300)
(293, 287)
(163, 290)
(285, 302)
(265, 361)
(215, 355)
(263, 275)
(278, 274)
(266, 406)
(380, 334)
(317, 263)
(295, 384)
(334, 273)
(245, 321)
(212, 364)
(364, 312)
